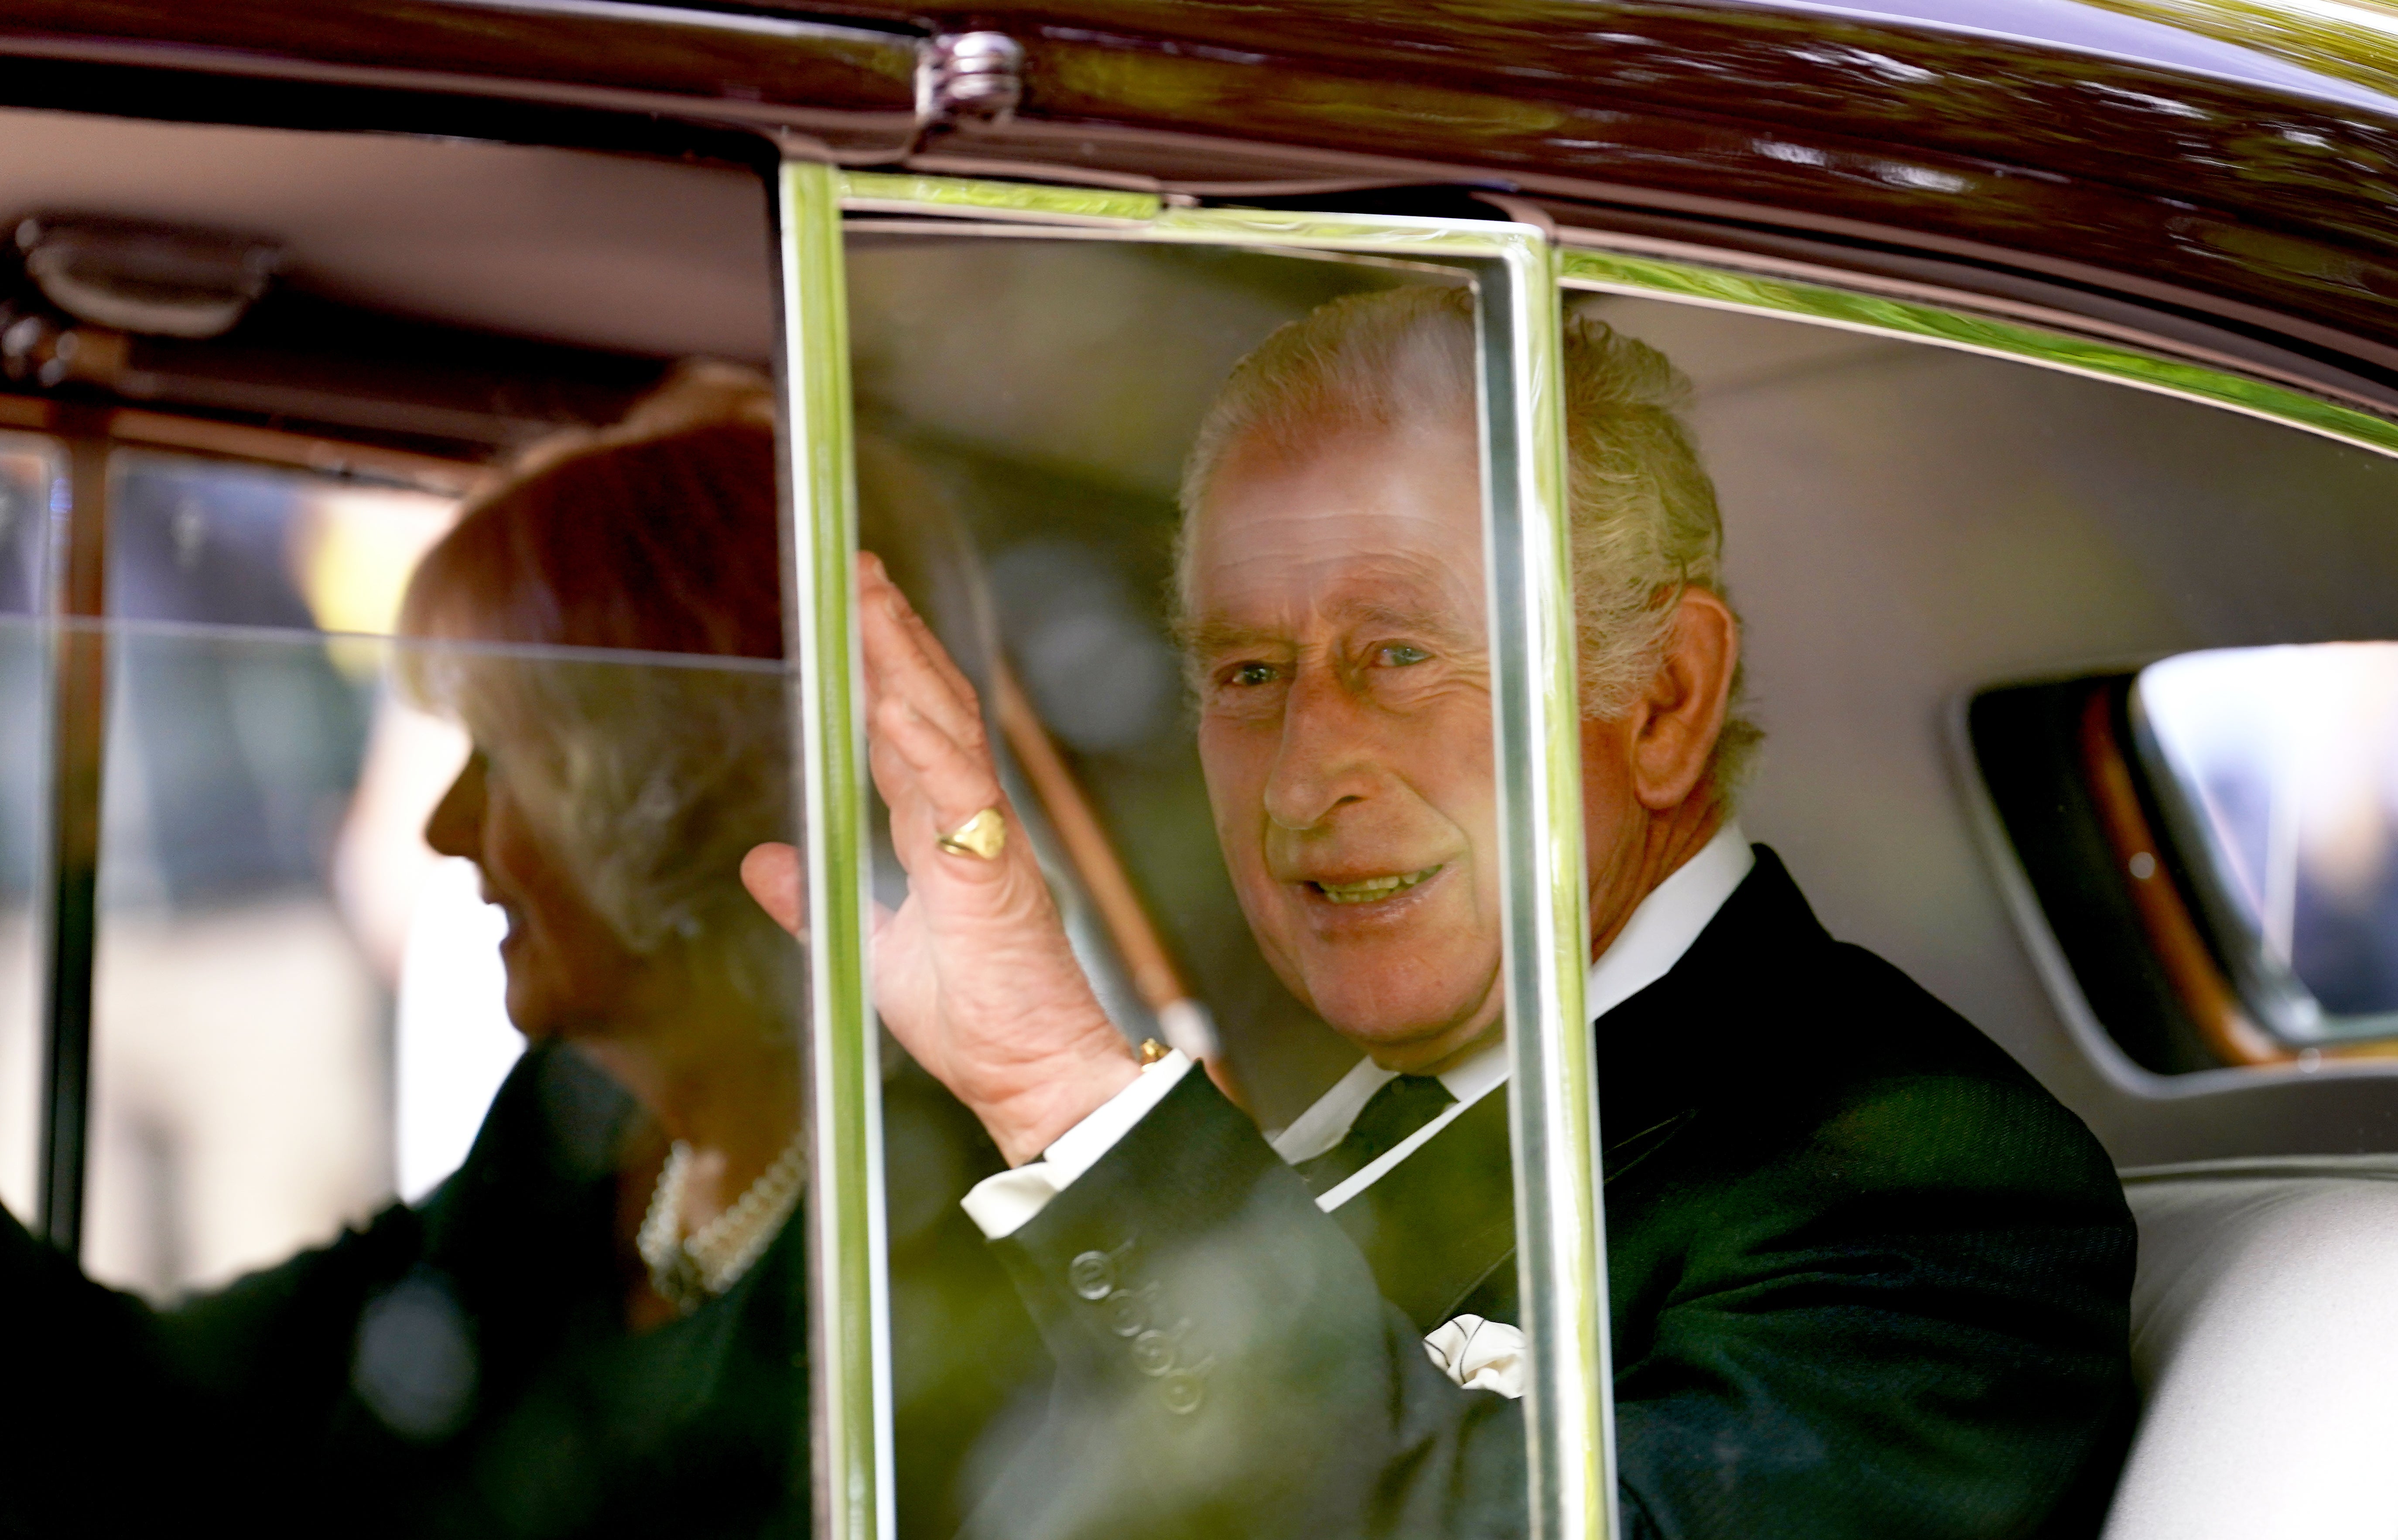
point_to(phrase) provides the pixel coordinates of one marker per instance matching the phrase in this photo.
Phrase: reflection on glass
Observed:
(2284, 762)
(240, 1093)
(259, 826)
(23, 657)
(591, 1314)
(230, 543)
(28, 470)
(1278, 719)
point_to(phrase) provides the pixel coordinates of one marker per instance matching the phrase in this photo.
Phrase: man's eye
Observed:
(1250, 674)
(1400, 656)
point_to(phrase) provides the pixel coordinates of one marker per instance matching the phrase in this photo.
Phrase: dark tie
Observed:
(1388, 1116)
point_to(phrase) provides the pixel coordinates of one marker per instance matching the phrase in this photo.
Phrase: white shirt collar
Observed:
(1661, 930)
(1324, 1124)
(1665, 924)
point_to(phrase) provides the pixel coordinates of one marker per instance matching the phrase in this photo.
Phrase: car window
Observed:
(1058, 433)
(266, 791)
(245, 881)
(1241, 746)
(421, 824)
(2271, 770)
(27, 471)
(396, 699)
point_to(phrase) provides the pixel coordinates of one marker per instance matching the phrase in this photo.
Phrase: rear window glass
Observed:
(221, 543)
(2277, 770)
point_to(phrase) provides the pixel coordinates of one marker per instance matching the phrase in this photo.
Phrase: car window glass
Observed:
(1238, 748)
(260, 862)
(2278, 774)
(449, 915)
(234, 543)
(401, 675)
(27, 464)
(233, 1006)
(27, 468)
(261, 822)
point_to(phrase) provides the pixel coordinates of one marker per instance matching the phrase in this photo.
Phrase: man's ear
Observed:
(1678, 718)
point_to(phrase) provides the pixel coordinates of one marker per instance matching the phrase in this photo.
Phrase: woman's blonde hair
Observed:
(1644, 525)
(650, 775)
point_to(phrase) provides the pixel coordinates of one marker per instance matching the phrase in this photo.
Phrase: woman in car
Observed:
(596, 1326)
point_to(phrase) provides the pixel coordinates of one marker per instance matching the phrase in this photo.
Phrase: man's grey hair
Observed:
(1643, 509)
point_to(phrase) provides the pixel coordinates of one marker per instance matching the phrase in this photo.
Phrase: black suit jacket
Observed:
(462, 1367)
(1865, 1278)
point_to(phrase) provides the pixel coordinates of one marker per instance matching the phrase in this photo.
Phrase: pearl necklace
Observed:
(689, 1271)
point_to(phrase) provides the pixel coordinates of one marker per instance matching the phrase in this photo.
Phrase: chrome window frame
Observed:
(1553, 1104)
(1592, 262)
(849, 1361)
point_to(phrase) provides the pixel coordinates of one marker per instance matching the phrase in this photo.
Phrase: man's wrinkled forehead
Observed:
(1357, 534)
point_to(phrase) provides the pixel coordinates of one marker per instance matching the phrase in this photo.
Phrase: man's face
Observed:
(1338, 625)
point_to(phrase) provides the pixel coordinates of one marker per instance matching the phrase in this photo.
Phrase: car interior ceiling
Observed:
(451, 297)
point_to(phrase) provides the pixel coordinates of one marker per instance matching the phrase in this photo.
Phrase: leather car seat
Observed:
(2265, 1339)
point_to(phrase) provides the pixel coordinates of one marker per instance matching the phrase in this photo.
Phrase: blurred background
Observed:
(265, 899)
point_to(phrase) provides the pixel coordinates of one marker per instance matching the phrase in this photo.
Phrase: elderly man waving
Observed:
(1866, 1278)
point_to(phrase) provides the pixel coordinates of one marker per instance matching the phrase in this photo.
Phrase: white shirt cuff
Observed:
(1003, 1204)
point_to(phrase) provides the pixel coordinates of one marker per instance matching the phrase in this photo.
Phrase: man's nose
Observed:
(1325, 757)
(456, 826)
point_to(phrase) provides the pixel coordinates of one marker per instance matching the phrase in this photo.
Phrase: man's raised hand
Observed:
(973, 973)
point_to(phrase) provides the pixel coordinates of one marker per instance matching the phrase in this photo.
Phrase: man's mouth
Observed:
(1372, 888)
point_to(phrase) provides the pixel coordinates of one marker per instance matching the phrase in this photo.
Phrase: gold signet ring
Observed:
(981, 837)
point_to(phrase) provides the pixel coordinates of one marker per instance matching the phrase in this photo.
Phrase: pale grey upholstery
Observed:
(2264, 1336)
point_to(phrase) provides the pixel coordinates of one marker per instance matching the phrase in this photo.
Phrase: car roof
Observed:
(2233, 160)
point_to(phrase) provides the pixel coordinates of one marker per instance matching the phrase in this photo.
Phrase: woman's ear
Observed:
(1683, 712)
(771, 872)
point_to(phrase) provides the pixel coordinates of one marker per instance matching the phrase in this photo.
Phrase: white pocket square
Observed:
(1479, 1354)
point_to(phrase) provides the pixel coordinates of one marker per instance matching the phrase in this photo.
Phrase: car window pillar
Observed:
(78, 728)
(1553, 1085)
(848, 1290)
